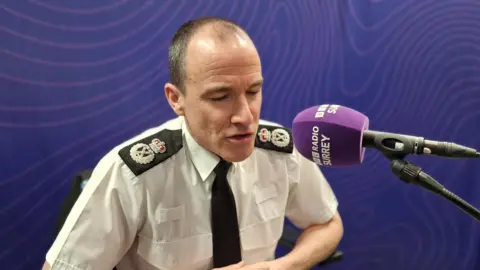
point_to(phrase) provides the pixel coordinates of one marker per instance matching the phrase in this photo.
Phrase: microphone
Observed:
(335, 136)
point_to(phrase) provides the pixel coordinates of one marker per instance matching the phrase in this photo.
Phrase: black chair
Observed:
(288, 239)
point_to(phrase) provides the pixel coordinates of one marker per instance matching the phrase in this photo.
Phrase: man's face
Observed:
(223, 95)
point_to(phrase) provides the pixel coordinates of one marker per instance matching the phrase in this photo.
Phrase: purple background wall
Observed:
(78, 77)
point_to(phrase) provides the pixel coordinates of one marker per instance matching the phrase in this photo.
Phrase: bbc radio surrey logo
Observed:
(330, 109)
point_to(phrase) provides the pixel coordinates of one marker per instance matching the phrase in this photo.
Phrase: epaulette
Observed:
(274, 138)
(150, 151)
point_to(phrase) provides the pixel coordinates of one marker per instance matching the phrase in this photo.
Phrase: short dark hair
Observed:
(177, 50)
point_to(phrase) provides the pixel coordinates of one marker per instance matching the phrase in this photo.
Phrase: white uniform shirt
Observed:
(159, 218)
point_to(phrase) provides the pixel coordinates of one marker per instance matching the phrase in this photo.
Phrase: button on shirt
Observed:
(160, 219)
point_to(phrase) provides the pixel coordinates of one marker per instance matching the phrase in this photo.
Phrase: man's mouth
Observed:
(240, 138)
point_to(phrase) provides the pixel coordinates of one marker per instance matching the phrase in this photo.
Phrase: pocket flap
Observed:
(265, 193)
(169, 214)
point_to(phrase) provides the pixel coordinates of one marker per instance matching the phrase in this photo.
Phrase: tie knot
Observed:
(222, 168)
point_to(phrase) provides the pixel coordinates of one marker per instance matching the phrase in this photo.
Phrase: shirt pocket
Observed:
(166, 224)
(268, 202)
(260, 239)
(189, 253)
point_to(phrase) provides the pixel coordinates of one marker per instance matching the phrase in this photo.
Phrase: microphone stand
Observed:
(412, 174)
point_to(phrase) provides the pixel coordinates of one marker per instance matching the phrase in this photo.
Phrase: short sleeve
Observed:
(103, 222)
(311, 200)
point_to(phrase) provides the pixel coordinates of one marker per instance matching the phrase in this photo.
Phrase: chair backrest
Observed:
(76, 188)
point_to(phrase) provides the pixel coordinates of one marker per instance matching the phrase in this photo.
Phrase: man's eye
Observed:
(253, 92)
(218, 98)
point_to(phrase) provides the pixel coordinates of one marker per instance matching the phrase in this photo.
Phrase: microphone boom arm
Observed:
(412, 174)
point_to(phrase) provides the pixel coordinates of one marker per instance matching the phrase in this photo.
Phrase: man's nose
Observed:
(242, 114)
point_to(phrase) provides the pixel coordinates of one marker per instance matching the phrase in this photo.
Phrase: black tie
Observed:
(226, 235)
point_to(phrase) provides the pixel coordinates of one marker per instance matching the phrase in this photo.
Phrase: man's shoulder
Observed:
(151, 147)
(274, 137)
(171, 124)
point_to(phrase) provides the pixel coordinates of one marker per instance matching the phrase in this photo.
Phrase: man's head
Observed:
(216, 82)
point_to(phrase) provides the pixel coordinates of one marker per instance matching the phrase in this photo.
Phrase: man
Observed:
(209, 189)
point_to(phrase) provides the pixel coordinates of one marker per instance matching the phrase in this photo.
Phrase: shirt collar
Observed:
(203, 160)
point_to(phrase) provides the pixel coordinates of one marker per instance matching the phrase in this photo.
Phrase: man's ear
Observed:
(175, 98)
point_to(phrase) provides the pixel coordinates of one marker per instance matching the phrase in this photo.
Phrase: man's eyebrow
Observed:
(256, 84)
(226, 88)
(217, 89)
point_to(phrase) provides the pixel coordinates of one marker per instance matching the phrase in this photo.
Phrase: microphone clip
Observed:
(399, 146)
(394, 146)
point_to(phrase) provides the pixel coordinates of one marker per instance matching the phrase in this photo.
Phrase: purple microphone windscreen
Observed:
(330, 135)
